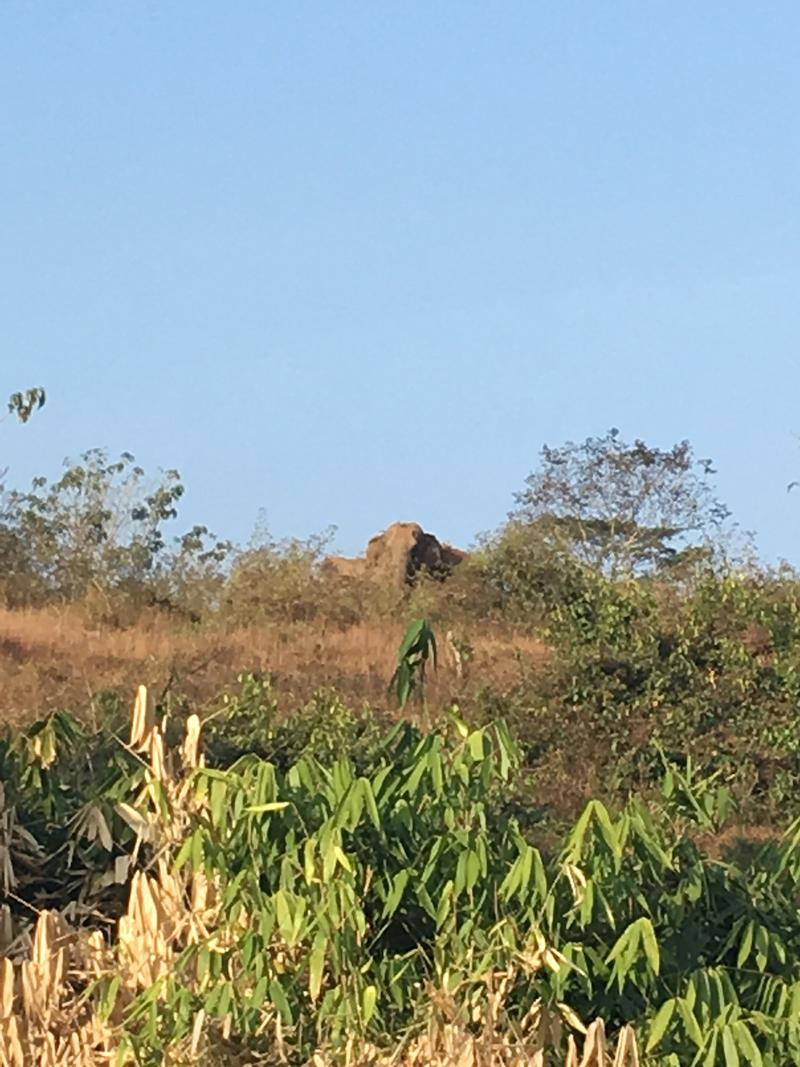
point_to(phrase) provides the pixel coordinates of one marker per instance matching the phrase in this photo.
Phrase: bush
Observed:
(98, 535)
(340, 907)
(711, 671)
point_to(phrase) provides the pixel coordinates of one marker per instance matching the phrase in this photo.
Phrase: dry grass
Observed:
(46, 1017)
(52, 659)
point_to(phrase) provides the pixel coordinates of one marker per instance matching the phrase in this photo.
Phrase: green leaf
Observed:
(475, 742)
(109, 998)
(259, 994)
(628, 938)
(445, 903)
(435, 763)
(399, 883)
(197, 850)
(711, 1052)
(659, 1025)
(762, 947)
(369, 999)
(284, 915)
(219, 792)
(309, 860)
(278, 998)
(747, 1044)
(650, 945)
(316, 966)
(371, 805)
(473, 869)
(729, 1048)
(746, 943)
(411, 637)
(512, 880)
(606, 826)
(690, 1022)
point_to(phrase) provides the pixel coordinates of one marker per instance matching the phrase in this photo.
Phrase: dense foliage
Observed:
(629, 855)
(353, 890)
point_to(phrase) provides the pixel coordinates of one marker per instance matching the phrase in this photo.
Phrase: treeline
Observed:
(663, 630)
(100, 536)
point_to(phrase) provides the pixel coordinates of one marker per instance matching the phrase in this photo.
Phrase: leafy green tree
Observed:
(622, 508)
(277, 579)
(101, 527)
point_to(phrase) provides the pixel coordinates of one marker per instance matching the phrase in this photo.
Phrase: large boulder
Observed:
(398, 555)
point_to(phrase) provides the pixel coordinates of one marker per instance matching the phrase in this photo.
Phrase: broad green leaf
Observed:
(693, 1028)
(512, 880)
(259, 994)
(711, 1051)
(309, 860)
(444, 905)
(762, 947)
(219, 793)
(729, 1048)
(659, 1025)
(342, 859)
(747, 1044)
(476, 746)
(435, 763)
(109, 998)
(472, 869)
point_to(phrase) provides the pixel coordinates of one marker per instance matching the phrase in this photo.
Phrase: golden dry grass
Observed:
(51, 658)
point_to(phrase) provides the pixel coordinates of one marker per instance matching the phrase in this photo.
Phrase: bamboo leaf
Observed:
(316, 966)
(650, 945)
(746, 944)
(747, 1044)
(729, 1048)
(659, 1025)
(369, 999)
(278, 998)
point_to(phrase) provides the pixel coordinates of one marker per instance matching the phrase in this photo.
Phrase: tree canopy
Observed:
(619, 507)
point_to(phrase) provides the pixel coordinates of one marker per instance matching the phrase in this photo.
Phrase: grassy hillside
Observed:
(54, 658)
(582, 819)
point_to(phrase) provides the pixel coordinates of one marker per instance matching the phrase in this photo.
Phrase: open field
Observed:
(51, 658)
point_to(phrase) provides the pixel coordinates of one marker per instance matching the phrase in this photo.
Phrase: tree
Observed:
(622, 508)
(24, 404)
(102, 527)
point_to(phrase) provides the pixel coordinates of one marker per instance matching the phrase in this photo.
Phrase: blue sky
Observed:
(357, 262)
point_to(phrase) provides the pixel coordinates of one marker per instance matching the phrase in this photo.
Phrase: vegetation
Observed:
(622, 509)
(572, 809)
(22, 405)
(312, 902)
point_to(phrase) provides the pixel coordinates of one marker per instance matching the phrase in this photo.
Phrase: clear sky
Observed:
(357, 262)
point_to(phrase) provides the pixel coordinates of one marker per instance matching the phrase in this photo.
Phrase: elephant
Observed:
(398, 555)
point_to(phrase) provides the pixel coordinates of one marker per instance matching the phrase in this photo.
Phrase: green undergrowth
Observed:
(364, 868)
